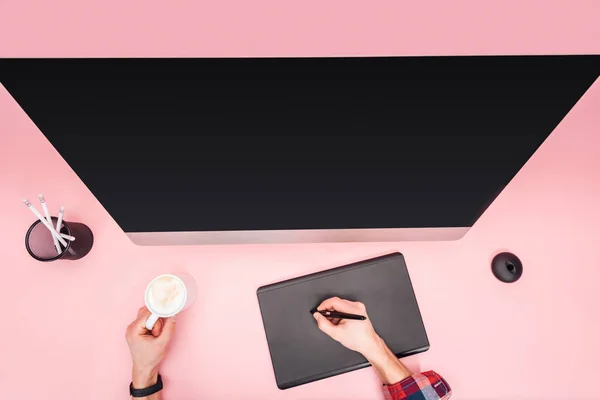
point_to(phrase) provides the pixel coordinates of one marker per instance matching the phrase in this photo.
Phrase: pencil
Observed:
(45, 222)
(47, 214)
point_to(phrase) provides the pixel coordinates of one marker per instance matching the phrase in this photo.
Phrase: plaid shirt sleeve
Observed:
(424, 386)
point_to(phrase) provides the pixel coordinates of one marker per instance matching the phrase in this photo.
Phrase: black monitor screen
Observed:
(324, 143)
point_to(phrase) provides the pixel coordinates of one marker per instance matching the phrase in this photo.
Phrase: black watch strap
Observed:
(157, 387)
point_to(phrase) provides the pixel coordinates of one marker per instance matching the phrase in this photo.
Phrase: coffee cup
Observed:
(168, 295)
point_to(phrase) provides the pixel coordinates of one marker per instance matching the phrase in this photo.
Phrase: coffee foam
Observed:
(165, 295)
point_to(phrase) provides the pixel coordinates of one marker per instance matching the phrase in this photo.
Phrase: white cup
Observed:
(189, 297)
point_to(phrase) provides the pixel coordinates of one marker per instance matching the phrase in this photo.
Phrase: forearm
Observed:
(388, 366)
(143, 379)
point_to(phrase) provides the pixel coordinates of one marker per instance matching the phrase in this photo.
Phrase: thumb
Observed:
(139, 325)
(157, 328)
(168, 329)
(324, 324)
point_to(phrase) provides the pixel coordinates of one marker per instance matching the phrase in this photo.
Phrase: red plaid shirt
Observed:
(424, 386)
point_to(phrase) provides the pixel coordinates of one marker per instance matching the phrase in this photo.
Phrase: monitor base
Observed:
(296, 236)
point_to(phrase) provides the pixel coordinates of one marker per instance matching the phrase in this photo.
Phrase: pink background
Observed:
(197, 28)
(63, 323)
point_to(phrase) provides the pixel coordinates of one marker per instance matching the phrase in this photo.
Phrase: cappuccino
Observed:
(166, 295)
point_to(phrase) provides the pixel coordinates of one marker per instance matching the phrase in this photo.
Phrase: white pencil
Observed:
(47, 214)
(61, 214)
(43, 220)
(68, 237)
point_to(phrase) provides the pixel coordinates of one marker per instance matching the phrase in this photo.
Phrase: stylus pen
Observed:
(335, 314)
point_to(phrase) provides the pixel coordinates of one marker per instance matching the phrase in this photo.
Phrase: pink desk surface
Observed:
(195, 28)
(63, 324)
(62, 330)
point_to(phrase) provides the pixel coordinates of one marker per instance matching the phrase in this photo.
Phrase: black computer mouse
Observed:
(507, 267)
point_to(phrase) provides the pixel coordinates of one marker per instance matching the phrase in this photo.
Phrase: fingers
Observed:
(324, 324)
(347, 306)
(138, 326)
(168, 330)
(141, 311)
(163, 328)
(157, 328)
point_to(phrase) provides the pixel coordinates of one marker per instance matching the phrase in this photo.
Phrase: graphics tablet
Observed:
(301, 353)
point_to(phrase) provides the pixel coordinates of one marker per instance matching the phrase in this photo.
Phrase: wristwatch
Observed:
(157, 387)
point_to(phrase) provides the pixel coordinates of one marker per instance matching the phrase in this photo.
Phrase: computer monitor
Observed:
(274, 150)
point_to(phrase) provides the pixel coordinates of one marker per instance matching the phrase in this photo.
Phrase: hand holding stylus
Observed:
(356, 335)
(359, 335)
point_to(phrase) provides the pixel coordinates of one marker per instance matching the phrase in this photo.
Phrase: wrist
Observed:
(375, 349)
(144, 377)
(390, 369)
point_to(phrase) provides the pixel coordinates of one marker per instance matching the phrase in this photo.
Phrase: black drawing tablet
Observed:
(301, 353)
